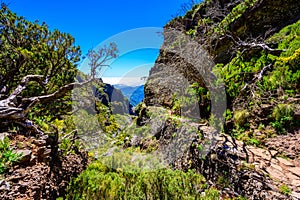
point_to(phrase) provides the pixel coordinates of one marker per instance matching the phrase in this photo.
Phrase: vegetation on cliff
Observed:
(255, 47)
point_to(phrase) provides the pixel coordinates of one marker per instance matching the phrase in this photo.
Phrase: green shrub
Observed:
(211, 194)
(253, 141)
(284, 189)
(240, 198)
(236, 12)
(222, 181)
(7, 156)
(283, 112)
(227, 115)
(283, 115)
(240, 117)
(102, 182)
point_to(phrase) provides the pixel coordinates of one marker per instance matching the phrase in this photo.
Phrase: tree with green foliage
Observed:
(38, 68)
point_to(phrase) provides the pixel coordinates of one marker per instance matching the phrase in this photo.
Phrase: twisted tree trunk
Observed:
(14, 108)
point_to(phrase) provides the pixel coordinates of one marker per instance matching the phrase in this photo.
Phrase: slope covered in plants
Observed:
(220, 119)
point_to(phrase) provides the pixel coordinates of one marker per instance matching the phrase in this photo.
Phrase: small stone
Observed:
(24, 184)
(7, 185)
(41, 150)
(25, 153)
(135, 140)
(44, 137)
(16, 194)
(40, 142)
(273, 152)
(35, 188)
(2, 187)
(273, 162)
(33, 160)
(46, 153)
(3, 135)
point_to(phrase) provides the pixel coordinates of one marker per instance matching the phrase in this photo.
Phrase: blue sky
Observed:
(92, 22)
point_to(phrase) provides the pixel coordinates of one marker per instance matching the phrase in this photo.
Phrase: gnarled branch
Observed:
(14, 108)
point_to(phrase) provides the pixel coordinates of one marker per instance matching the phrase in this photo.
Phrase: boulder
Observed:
(39, 142)
(26, 155)
(3, 135)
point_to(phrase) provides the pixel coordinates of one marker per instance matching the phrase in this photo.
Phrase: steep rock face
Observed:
(120, 104)
(111, 96)
(266, 17)
(165, 81)
(257, 23)
(256, 173)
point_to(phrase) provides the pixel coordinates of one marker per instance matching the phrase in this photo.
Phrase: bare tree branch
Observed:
(16, 108)
(255, 44)
(259, 76)
(10, 101)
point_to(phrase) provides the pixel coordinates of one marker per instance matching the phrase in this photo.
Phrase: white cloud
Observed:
(128, 81)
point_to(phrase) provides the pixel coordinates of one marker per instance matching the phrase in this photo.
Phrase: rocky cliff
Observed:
(251, 44)
(259, 21)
